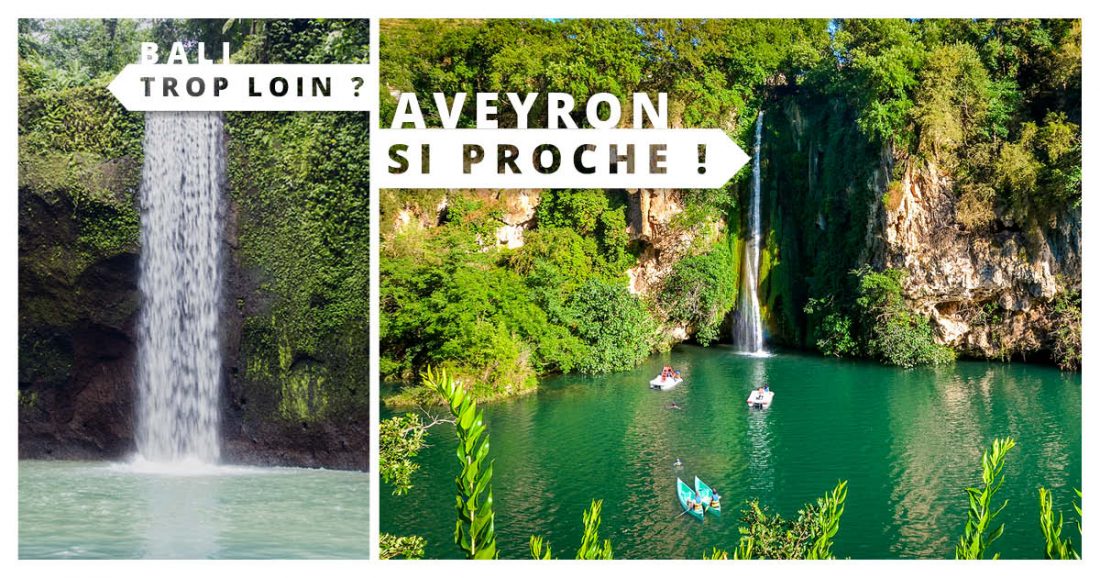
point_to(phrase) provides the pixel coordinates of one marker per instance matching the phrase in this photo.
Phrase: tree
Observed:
(701, 291)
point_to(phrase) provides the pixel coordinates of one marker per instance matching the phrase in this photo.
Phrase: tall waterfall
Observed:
(748, 331)
(179, 353)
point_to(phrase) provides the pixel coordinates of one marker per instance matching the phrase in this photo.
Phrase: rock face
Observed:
(76, 351)
(514, 210)
(988, 294)
(651, 224)
(517, 217)
(78, 305)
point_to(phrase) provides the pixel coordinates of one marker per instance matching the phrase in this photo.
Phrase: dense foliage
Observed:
(498, 317)
(892, 332)
(877, 323)
(700, 292)
(80, 161)
(301, 182)
(297, 224)
(400, 440)
(850, 106)
(1067, 330)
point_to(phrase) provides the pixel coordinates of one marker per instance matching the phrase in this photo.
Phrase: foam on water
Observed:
(188, 467)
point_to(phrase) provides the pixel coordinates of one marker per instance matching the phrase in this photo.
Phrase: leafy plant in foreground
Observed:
(979, 534)
(808, 537)
(400, 439)
(407, 547)
(591, 547)
(474, 530)
(1056, 548)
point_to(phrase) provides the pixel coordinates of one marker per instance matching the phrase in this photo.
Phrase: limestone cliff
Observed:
(834, 202)
(989, 293)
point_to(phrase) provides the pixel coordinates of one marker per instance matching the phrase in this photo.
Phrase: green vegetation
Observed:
(770, 537)
(401, 439)
(80, 161)
(396, 547)
(701, 291)
(298, 212)
(979, 533)
(498, 317)
(893, 333)
(474, 531)
(878, 324)
(1057, 548)
(854, 107)
(591, 547)
(301, 184)
(1067, 330)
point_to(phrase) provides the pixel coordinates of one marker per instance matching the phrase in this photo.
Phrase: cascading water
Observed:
(748, 331)
(179, 353)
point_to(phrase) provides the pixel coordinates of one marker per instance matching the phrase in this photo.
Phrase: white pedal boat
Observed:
(665, 382)
(760, 399)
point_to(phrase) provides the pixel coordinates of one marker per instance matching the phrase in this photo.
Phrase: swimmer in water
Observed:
(678, 463)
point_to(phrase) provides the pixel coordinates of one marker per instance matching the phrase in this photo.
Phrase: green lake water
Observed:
(907, 441)
(110, 510)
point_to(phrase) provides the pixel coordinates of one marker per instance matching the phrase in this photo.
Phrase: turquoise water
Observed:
(907, 441)
(105, 510)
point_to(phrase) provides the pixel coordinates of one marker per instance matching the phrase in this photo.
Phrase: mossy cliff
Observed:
(979, 215)
(79, 171)
(295, 330)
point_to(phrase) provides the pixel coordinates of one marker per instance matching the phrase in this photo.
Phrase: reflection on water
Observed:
(761, 473)
(182, 519)
(908, 442)
(103, 510)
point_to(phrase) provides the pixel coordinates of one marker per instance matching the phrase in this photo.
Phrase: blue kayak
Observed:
(689, 499)
(710, 500)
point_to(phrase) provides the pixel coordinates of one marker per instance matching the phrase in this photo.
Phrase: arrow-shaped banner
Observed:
(217, 87)
(549, 158)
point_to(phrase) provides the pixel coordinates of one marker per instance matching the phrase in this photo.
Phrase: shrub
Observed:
(831, 329)
(615, 326)
(1067, 330)
(893, 333)
(701, 291)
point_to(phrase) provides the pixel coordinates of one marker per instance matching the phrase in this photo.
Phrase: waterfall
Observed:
(179, 353)
(748, 331)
